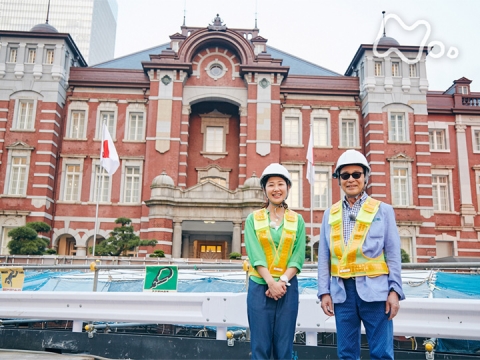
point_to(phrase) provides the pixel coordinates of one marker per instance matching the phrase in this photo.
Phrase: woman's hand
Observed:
(276, 289)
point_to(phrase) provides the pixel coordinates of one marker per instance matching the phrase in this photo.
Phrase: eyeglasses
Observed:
(355, 175)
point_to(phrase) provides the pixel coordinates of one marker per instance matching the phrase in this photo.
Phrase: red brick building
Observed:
(196, 120)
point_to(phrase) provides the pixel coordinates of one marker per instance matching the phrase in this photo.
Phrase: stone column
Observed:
(185, 246)
(81, 251)
(466, 205)
(177, 238)
(236, 237)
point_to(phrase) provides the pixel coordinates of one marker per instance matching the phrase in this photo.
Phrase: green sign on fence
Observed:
(161, 278)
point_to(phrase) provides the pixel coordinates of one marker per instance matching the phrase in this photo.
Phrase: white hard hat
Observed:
(275, 169)
(351, 157)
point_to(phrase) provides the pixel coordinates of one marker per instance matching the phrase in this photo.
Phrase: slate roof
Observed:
(297, 65)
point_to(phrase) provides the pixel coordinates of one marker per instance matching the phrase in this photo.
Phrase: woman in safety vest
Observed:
(275, 243)
(359, 263)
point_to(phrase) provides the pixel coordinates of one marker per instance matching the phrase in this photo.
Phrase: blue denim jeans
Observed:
(272, 323)
(348, 318)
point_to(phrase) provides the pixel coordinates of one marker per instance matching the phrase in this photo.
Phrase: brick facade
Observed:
(196, 123)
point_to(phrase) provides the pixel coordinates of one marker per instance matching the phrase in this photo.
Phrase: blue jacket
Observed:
(382, 236)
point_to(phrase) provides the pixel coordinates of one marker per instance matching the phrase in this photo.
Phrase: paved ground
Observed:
(39, 355)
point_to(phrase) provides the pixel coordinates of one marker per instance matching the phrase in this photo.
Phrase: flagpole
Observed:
(312, 255)
(98, 194)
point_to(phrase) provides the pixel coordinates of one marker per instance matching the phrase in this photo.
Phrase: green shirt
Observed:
(255, 251)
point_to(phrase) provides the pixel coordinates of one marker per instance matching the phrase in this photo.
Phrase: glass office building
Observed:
(91, 23)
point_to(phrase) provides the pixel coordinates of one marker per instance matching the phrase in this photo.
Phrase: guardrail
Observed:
(436, 318)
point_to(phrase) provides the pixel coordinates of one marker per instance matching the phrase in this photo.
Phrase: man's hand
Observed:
(327, 305)
(392, 305)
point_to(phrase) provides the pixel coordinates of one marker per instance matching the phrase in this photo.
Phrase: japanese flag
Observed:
(109, 157)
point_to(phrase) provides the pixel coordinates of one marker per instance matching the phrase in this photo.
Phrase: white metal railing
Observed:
(436, 318)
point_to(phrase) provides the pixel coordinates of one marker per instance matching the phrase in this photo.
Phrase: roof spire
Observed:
(384, 30)
(184, 11)
(256, 6)
(48, 12)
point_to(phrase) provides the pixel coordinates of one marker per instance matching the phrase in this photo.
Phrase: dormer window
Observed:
(12, 57)
(395, 69)
(31, 55)
(412, 68)
(463, 90)
(378, 68)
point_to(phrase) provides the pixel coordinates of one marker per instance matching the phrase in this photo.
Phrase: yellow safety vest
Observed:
(277, 256)
(350, 261)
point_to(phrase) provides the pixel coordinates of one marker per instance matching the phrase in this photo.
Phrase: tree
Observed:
(405, 256)
(121, 240)
(25, 239)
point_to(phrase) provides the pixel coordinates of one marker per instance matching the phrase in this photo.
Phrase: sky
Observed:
(326, 33)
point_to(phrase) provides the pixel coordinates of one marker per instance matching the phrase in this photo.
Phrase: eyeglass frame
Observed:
(355, 175)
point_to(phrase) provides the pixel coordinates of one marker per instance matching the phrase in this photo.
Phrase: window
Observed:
(31, 55)
(320, 132)
(397, 127)
(476, 135)
(440, 192)
(444, 249)
(214, 139)
(50, 56)
(400, 188)
(12, 57)
(135, 127)
(291, 131)
(294, 194)
(412, 69)
(437, 139)
(18, 176)
(378, 68)
(132, 184)
(406, 245)
(362, 73)
(77, 125)
(107, 117)
(5, 240)
(395, 69)
(25, 117)
(463, 90)
(321, 196)
(101, 185)
(72, 182)
(349, 133)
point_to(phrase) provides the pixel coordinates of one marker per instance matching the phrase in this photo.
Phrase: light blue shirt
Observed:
(382, 236)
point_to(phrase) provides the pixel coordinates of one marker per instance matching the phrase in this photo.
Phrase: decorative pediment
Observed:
(177, 36)
(20, 145)
(400, 157)
(259, 39)
(215, 114)
(208, 190)
(217, 25)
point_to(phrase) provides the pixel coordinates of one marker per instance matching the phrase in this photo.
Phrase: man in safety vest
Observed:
(359, 263)
(275, 244)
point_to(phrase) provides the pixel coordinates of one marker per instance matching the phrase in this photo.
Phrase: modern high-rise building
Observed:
(92, 24)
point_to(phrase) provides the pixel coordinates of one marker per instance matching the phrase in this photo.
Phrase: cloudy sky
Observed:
(327, 33)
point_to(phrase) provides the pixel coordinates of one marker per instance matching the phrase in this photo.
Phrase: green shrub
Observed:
(235, 256)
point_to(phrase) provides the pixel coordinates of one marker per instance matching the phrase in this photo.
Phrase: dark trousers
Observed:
(348, 318)
(272, 323)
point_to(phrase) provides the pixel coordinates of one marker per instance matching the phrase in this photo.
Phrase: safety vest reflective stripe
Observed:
(277, 256)
(350, 262)
(361, 269)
